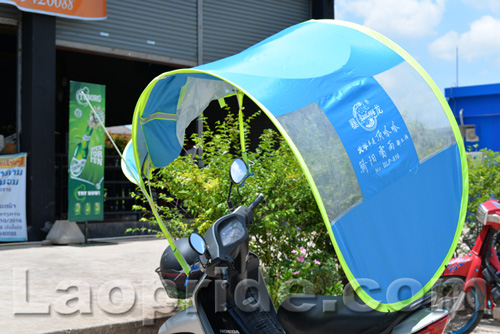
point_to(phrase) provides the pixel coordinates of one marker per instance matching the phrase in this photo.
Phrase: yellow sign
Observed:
(73, 9)
(10, 161)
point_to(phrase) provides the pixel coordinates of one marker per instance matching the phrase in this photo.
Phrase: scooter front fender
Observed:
(460, 266)
(186, 321)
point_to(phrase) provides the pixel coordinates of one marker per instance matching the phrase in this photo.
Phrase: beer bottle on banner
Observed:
(82, 149)
(81, 152)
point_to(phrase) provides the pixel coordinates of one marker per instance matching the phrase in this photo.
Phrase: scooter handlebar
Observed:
(256, 202)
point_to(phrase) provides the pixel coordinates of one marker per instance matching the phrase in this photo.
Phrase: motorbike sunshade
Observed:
(374, 136)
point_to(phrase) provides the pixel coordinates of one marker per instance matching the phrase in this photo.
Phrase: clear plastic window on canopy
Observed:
(195, 96)
(324, 154)
(425, 118)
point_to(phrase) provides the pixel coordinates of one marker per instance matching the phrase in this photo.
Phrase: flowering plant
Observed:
(306, 271)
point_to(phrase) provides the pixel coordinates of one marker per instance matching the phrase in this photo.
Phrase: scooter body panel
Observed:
(419, 320)
(186, 321)
(223, 310)
(469, 266)
(460, 266)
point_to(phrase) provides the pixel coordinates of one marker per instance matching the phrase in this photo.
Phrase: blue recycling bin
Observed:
(477, 111)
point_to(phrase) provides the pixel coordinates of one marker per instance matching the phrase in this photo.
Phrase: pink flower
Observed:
(317, 262)
(294, 252)
(300, 259)
(297, 272)
(302, 250)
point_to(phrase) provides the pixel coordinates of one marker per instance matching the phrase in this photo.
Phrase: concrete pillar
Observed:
(322, 9)
(38, 100)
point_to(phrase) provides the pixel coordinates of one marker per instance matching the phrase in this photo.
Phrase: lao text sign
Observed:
(13, 197)
(73, 9)
(86, 152)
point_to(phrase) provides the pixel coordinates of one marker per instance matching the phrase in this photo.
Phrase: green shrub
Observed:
(192, 198)
(484, 182)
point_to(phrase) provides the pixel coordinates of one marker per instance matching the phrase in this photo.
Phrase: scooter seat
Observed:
(304, 314)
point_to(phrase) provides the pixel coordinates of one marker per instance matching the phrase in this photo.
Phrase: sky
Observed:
(432, 30)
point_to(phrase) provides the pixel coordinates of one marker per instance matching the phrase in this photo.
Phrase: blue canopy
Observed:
(373, 134)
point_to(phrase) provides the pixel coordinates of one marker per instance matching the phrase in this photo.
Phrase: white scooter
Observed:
(230, 295)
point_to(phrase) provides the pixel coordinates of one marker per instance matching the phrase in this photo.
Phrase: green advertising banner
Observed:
(86, 152)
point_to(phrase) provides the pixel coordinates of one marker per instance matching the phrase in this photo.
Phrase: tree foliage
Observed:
(191, 198)
(484, 182)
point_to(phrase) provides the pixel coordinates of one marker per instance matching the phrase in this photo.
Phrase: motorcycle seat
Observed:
(303, 314)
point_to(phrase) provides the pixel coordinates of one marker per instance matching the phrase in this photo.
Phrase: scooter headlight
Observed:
(481, 214)
(494, 218)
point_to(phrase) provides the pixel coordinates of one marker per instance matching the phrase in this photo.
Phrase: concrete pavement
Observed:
(103, 288)
(488, 325)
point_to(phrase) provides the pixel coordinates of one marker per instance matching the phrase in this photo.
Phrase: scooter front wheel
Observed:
(466, 307)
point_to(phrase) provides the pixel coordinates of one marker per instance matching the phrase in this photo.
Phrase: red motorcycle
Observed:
(471, 283)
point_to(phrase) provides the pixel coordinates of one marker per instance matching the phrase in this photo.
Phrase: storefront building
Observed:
(41, 51)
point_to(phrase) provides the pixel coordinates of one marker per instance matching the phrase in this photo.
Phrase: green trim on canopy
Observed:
(347, 84)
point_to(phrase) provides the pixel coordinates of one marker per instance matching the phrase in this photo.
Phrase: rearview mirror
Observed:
(238, 170)
(198, 243)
